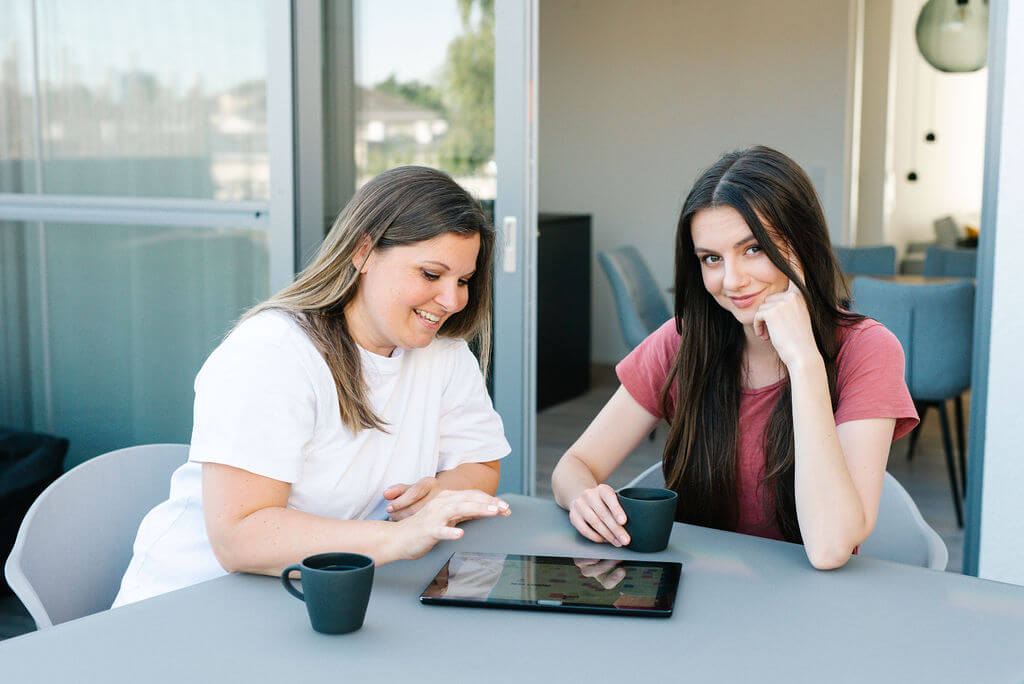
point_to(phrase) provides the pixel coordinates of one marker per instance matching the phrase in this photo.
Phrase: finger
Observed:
(409, 497)
(618, 516)
(607, 565)
(473, 495)
(583, 528)
(600, 501)
(408, 511)
(596, 524)
(584, 562)
(612, 579)
(395, 490)
(444, 532)
(457, 512)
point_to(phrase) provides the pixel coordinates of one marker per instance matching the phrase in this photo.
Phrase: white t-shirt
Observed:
(266, 402)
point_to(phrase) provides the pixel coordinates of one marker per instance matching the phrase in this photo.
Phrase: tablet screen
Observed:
(624, 587)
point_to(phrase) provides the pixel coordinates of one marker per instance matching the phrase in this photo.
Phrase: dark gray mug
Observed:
(650, 512)
(335, 588)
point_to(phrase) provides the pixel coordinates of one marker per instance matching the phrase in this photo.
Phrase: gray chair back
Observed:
(950, 262)
(934, 323)
(946, 231)
(638, 298)
(880, 260)
(900, 535)
(75, 542)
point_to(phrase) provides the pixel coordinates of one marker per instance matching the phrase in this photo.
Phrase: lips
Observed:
(745, 301)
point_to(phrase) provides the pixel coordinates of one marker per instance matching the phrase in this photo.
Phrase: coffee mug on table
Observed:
(335, 588)
(650, 512)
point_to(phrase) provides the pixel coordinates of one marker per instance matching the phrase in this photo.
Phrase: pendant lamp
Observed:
(952, 35)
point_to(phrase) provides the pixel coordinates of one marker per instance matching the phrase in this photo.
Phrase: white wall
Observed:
(950, 170)
(637, 97)
(1001, 554)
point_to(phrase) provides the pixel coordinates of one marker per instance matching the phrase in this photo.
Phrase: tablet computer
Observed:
(556, 583)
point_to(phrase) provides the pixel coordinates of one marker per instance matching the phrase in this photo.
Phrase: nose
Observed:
(448, 295)
(735, 277)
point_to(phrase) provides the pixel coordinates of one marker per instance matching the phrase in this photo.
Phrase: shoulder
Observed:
(867, 337)
(268, 340)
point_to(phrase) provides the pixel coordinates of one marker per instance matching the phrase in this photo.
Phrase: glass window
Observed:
(171, 104)
(424, 74)
(17, 150)
(133, 311)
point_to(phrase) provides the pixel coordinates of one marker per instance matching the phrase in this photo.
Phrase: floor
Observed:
(557, 427)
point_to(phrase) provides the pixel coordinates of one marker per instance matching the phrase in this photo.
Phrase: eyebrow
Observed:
(735, 246)
(448, 268)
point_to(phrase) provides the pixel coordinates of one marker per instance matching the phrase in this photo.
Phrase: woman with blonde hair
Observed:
(347, 412)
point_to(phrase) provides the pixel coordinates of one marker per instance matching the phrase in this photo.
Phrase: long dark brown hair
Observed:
(776, 200)
(402, 206)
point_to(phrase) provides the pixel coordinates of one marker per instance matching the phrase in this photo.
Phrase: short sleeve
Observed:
(871, 381)
(255, 408)
(644, 370)
(471, 430)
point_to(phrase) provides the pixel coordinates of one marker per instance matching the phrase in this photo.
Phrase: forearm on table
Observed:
(829, 509)
(270, 539)
(482, 476)
(571, 477)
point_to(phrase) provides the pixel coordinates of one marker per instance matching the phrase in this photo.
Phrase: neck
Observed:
(360, 329)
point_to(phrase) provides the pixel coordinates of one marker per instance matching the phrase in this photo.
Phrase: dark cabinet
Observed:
(563, 307)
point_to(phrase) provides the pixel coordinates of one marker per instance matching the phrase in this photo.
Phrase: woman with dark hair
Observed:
(347, 412)
(781, 405)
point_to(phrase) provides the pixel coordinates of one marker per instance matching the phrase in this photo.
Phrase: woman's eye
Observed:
(430, 276)
(463, 283)
(710, 259)
(754, 249)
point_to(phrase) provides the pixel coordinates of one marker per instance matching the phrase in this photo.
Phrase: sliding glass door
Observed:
(447, 84)
(139, 213)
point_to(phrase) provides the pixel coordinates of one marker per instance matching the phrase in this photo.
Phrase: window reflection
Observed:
(171, 104)
(424, 74)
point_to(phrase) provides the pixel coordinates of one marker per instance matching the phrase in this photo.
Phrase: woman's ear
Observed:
(362, 254)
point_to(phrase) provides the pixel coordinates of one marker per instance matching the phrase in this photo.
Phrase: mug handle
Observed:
(288, 583)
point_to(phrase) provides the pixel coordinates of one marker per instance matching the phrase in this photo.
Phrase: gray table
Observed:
(748, 609)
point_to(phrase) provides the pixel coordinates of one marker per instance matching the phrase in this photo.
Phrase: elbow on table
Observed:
(227, 549)
(827, 557)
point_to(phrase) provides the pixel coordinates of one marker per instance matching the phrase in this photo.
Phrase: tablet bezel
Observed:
(664, 601)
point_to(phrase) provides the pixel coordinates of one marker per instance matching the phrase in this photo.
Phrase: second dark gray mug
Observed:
(336, 589)
(650, 512)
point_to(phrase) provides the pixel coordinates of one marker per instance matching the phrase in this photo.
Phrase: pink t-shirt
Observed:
(870, 384)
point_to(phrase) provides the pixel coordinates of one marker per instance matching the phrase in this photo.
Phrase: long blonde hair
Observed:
(402, 206)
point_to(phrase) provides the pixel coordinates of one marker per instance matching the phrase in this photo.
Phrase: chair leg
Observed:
(947, 444)
(961, 442)
(916, 432)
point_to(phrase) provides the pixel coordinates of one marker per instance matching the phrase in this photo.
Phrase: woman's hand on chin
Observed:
(783, 320)
(436, 520)
(408, 499)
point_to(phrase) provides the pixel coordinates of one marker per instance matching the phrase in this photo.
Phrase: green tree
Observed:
(468, 93)
(420, 94)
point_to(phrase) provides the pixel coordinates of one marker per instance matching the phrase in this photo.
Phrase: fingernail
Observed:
(492, 509)
(622, 520)
(624, 539)
(389, 509)
(503, 504)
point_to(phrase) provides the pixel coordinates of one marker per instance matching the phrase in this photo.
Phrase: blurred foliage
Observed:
(468, 91)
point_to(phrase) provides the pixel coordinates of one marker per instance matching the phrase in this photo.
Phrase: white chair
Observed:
(75, 542)
(900, 535)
